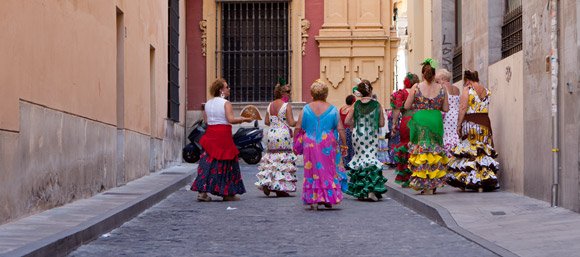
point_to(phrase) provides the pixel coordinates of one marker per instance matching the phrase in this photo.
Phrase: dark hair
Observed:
(216, 86)
(414, 79)
(471, 75)
(350, 99)
(428, 72)
(365, 88)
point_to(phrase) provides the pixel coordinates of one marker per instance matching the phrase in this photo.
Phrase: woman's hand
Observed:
(344, 150)
(459, 131)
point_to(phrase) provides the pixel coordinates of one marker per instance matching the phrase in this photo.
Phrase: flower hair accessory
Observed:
(407, 81)
(431, 63)
(282, 81)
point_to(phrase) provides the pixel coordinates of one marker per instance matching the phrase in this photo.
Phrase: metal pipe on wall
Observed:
(554, 72)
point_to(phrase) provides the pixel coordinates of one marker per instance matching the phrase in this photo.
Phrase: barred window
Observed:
(457, 64)
(255, 49)
(173, 62)
(511, 30)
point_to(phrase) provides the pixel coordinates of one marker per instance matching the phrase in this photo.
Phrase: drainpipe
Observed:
(553, 5)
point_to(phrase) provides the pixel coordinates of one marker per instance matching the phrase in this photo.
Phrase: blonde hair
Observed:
(319, 90)
(443, 74)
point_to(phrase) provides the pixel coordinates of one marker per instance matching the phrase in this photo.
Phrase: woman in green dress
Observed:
(428, 159)
(366, 175)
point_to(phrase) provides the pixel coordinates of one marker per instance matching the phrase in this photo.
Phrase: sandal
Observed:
(282, 194)
(203, 198)
(266, 190)
(228, 198)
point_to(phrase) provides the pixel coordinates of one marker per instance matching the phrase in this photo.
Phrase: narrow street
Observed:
(260, 226)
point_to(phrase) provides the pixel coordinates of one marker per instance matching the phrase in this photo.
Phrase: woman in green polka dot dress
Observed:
(366, 176)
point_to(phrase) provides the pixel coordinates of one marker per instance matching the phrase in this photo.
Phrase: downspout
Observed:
(554, 72)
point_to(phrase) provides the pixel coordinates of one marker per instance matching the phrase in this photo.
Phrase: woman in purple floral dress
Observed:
(318, 140)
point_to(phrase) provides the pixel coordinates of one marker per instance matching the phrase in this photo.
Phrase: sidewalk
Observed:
(58, 231)
(505, 223)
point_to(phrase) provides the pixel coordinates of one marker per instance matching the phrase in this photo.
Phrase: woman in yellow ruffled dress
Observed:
(473, 164)
(428, 159)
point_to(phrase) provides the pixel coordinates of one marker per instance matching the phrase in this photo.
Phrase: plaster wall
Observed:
(506, 112)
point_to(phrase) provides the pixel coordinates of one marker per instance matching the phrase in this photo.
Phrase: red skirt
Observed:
(218, 142)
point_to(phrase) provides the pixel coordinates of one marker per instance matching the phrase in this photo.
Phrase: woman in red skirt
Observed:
(219, 171)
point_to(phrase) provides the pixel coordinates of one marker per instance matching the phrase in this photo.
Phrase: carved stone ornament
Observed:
(304, 25)
(203, 28)
(335, 72)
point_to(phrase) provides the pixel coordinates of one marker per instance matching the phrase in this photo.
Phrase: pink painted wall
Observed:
(311, 61)
(196, 68)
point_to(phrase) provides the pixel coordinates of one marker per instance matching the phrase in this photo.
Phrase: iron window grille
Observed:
(173, 62)
(457, 64)
(511, 31)
(255, 49)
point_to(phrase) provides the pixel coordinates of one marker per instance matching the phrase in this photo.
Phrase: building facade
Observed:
(86, 104)
(254, 43)
(527, 53)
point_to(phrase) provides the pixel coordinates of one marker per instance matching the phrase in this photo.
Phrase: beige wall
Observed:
(420, 34)
(61, 49)
(58, 107)
(355, 42)
(507, 119)
(521, 109)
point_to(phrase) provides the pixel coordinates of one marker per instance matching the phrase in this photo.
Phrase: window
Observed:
(173, 62)
(511, 30)
(457, 64)
(255, 49)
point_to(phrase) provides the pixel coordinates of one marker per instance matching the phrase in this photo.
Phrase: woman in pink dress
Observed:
(317, 137)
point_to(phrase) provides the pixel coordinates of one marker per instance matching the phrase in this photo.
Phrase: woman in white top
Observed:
(450, 137)
(219, 171)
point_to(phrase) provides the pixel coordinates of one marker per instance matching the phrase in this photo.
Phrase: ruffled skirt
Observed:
(427, 157)
(402, 171)
(218, 172)
(473, 164)
(366, 180)
(383, 151)
(277, 172)
(218, 177)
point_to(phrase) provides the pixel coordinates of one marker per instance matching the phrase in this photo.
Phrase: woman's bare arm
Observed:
(411, 97)
(230, 115)
(445, 101)
(267, 119)
(381, 116)
(298, 124)
(462, 108)
(290, 116)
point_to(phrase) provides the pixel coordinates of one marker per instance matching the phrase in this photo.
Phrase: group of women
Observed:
(444, 137)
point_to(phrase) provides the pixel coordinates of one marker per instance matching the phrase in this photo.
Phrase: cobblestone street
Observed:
(260, 226)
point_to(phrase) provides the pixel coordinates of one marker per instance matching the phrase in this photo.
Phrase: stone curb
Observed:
(441, 216)
(63, 243)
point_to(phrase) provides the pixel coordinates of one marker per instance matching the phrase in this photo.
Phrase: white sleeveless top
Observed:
(216, 112)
